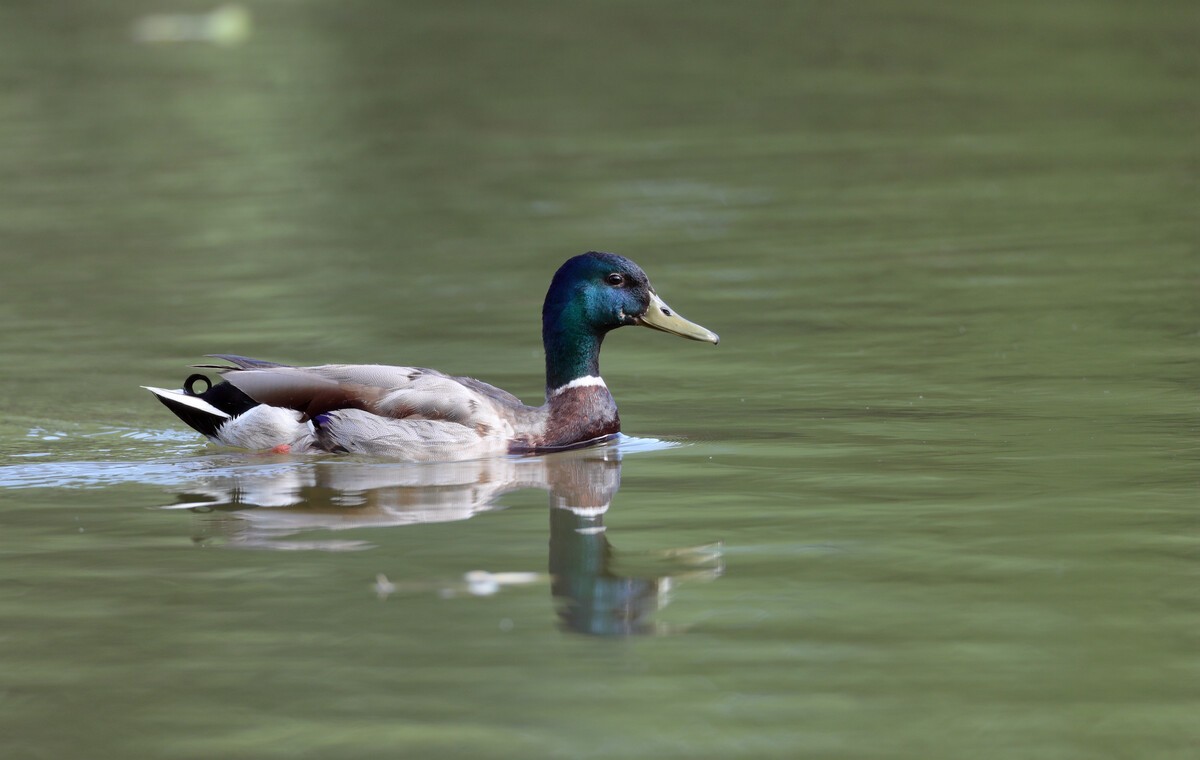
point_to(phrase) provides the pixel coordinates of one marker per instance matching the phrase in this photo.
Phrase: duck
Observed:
(418, 414)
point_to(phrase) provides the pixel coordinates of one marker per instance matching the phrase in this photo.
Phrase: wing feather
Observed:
(388, 391)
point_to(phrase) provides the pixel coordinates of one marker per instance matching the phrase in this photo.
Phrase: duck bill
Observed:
(662, 317)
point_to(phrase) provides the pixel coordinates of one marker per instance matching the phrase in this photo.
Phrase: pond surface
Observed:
(933, 496)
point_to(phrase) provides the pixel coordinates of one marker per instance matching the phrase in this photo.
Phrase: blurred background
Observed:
(948, 439)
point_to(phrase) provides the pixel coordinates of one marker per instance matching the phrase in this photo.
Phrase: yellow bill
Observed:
(663, 317)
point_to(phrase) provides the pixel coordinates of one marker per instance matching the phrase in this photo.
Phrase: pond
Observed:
(933, 496)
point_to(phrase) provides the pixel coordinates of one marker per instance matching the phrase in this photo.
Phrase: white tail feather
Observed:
(180, 397)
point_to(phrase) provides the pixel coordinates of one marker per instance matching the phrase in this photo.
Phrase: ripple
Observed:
(629, 444)
(177, 467)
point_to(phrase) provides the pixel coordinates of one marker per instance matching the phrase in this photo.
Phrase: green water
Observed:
(933, 496)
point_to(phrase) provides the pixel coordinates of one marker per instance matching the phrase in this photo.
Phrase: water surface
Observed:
(933, 496)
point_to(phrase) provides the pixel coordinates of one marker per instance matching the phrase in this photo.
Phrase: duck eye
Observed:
(615, 279)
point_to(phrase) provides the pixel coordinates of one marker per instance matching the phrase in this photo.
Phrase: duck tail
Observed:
(206, 411)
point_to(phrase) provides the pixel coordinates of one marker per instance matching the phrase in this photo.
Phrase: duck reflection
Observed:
(264, 506)
(591, 597)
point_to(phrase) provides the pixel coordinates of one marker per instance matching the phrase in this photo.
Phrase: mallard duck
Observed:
(424, 415)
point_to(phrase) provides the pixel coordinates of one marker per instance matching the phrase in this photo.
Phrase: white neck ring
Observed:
(580, 382)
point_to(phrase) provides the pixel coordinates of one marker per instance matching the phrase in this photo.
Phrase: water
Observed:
(933, 496)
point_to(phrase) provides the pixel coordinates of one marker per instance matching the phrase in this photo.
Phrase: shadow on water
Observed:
(265, 507)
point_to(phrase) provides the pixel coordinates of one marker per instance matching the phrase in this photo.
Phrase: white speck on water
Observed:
(481, 583)
(383, 587)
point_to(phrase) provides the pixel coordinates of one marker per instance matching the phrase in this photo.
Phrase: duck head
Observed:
(592, 294)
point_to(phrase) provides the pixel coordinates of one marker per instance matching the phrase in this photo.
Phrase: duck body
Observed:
(418, 414)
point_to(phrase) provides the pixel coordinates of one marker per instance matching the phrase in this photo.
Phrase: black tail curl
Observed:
(223, 396)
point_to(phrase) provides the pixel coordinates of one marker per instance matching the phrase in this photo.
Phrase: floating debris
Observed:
(383, 587)
(483, 583)
(225, 25)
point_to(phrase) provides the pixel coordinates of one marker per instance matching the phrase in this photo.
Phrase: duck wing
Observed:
(387, 391)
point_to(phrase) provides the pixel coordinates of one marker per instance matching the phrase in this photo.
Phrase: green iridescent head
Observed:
(592, 294)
